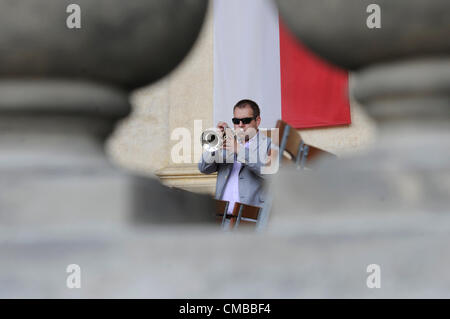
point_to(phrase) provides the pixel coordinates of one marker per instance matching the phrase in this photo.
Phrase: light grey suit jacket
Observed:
(251, 188)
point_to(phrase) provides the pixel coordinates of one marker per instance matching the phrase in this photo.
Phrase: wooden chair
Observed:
(244, 215)
(301, 153)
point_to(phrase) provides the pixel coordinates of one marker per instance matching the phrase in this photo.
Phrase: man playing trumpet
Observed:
(246, 152)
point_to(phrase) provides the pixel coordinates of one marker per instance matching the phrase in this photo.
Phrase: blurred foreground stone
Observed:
(320, 257)
(123, 43)
(63, 91)
(390, 204)
(337, 30)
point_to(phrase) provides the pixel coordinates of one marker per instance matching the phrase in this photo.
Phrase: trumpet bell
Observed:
(211, 140)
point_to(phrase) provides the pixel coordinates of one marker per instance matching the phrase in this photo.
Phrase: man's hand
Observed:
(241, 135)
(230, 144)
(222, 126)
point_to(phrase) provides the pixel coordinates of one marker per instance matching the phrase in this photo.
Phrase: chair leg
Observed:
(264, 214)
(283, 142)
(304, 156)
(299, 155)
(225, 214)
(238, 220)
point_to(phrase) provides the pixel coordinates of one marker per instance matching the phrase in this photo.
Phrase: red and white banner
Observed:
(255, 57)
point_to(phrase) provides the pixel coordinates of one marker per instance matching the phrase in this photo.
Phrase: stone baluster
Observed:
(63, 90)
(402, 78)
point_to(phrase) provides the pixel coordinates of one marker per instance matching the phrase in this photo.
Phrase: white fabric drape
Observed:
(246, 58)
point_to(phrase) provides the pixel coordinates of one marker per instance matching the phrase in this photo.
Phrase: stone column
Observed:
(191, 100)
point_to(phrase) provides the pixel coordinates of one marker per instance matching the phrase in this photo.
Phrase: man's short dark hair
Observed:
(243, 103)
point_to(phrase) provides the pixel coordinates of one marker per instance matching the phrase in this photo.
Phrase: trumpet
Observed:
(212, 140)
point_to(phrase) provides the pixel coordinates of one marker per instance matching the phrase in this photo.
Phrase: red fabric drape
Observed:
(313, 92)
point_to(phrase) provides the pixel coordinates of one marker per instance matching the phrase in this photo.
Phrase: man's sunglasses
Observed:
(245, 120)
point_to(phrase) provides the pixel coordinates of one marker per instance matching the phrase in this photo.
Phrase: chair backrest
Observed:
(301, 153)
(221, 210)
(244, 215)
